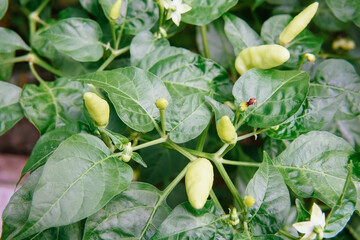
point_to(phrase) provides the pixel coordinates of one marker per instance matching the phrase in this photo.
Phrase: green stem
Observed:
(162, 119)
(148, 144)
(23, 58)
(161, 15)
(34, 17)
(286, 234)
(301, 62)
(113, 55)
(35, 73)
(201, 142)
(230, 184)
(122, 28)
(163, 196)
(216, 200)
(242, 137)
(106, 140)
(205, 41)
(238, 163)
(181, 150)
(47, 66)
(113, 32)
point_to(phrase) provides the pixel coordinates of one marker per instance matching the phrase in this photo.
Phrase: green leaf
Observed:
(315, 165)
(220, 109)
(82, 177)
(203, 12)
(184, 222)
(139, 15)
(10, 109)
(6, 69)
(187, 117)
(327, 21)
(185, 73)
(117, 139)
(69, 232)
(221, 50)
(272, 28)
(133, 92)
(10, 41)
(127, 215)
(3, 7)
(341, 80)
(272, 199)
(240, 34)
(137, 158)
(341, 213)
(350, 131)
(346, 10)
(47, 144)
(305, 42)
(142, 44)
(318, 109)
(245, 236)
(302, 213)
(17, 210)
(163, 164)
(279, 95)
(53, 104)
(77, 37)
(92, 6)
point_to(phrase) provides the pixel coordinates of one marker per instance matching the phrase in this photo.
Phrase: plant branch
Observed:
(113, 55)
(239, 163)
(150, 143)
(35, 73)
(163, 196)
(47, 66)
(205, 41)
(181, 150)
(201, 142)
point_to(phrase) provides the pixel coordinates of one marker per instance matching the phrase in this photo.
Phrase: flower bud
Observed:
(98, 109)
(243, 106)
(226, 130)
(125, 157)
(161, 103)
(115, 10)
(249, 201)
(234, 218)
(310, 57)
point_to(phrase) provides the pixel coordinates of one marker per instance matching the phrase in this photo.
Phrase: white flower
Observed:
(175, 9)
(313, 227)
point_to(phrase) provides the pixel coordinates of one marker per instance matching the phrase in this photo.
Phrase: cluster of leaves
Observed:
(78, 188)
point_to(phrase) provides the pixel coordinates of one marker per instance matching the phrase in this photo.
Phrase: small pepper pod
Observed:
(98, 109)
(226, 130)
(199, 179)
(263, 56)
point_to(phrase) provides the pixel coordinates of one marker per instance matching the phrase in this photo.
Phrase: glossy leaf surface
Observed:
(82, 177)
(133, 92)
(129, 215)
(11, 41)
(203, 12)
(279, 95)
(10, 109)
(272, 199)
(53, 104)
(187, 223)
(77, 38)
(314, 165)
(240, 34)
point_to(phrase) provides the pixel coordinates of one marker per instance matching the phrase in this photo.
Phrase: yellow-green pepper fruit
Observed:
(249, 201)
(199, 179)
(115, 10)
(226, 130)
(161, 103)
(98, 109)
(298, 24)
(263, 56)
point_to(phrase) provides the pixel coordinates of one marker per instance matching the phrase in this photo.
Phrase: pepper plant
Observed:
(145, 92)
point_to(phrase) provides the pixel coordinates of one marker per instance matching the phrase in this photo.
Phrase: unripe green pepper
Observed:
(98, 109)
(263, 56)
(199, 178)
(226, 130)
(115, 10)
(298, 24)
